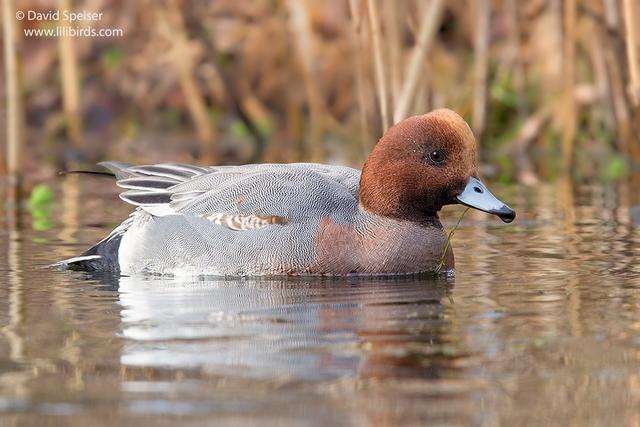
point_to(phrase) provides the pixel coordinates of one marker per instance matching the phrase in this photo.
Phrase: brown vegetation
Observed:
(549, 86)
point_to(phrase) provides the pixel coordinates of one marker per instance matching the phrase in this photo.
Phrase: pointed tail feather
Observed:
(81, 263)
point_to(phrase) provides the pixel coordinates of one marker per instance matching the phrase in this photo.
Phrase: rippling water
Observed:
(541, 324)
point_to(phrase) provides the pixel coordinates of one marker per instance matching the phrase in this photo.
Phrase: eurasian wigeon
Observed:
(300, 218)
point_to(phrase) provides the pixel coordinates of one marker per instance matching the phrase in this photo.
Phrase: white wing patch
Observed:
(245, 222)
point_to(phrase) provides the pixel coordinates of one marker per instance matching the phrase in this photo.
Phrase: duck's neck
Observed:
(367, 217)
(404, 246)
(383, 192)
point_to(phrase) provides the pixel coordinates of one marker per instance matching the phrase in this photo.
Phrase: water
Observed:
(541, 325)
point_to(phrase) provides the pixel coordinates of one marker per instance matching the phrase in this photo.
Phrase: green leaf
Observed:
(112, 57)
(265, 127)
(40, 206)
(614, 168)
(239, 129)
(41, 196)
(41, 224)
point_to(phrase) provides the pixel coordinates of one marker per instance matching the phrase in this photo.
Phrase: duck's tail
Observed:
(103, 256)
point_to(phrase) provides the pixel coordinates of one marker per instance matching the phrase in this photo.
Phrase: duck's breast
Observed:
(379, 245)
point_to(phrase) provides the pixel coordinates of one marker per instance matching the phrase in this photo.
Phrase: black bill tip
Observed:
(505, 213)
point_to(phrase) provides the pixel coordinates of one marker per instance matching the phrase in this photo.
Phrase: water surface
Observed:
(540, 325)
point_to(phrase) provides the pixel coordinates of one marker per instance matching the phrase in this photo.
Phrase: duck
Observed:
(300, 219)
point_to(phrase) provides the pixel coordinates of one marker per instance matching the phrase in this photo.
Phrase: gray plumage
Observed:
(172, 230)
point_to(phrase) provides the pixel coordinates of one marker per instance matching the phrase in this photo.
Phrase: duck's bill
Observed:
(477, 196)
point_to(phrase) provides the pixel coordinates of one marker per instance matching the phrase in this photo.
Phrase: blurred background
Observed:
(550, 87)
(541, 324)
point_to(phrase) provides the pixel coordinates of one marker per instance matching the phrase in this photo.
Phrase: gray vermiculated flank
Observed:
(169, 233)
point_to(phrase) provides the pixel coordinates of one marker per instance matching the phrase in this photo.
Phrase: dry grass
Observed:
(231, 81)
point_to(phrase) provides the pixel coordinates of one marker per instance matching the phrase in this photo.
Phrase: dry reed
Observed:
(429, 21)
(481, 48)
(273, 81)
(356, 40)
(632, 50)
(378, 56)
(301, 30)
(171, 26)
(14, 124)
(70, 81)
(568, 108)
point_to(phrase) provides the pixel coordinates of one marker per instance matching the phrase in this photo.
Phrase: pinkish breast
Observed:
(379, 245)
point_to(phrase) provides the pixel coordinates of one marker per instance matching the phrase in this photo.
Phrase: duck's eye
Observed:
(437, 157)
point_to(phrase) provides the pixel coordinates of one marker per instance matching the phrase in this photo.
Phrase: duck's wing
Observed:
(239, 197)
(148, 186)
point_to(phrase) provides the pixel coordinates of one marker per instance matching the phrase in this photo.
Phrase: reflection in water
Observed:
(15, 299)
(285, 328)
(16, 305)
(540, 325)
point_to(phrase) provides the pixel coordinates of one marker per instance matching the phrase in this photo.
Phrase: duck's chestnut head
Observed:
(423, 163)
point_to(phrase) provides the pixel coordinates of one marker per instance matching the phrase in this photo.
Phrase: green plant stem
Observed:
(448, 243)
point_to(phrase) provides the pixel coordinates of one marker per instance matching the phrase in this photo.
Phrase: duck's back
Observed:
(229, 220)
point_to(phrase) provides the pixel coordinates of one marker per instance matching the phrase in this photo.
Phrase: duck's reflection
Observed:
(293, 329)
